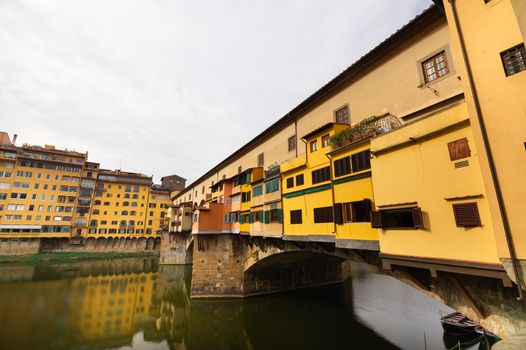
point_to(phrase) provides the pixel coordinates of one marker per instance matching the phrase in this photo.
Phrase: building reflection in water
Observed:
(135, 304)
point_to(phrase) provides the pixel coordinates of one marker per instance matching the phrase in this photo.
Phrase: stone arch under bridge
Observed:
(236, 266)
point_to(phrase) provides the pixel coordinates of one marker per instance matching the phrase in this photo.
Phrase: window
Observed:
(314, 146)
(359, 211)
(321, 175)
(342, 115)
(239, 169)
(405, 218)
(361, 161)
(292, 143)
(342, 167)
(274, 215)
(459, 149)
(290, 182)
(258, 216)
(272, 186)
(257, 191)
(323, 215)
(435, 67)
(295, 217)
(245, 197)
(467, 215)
(514, 60)
(299, 180)
(325, 140)
(261, 159)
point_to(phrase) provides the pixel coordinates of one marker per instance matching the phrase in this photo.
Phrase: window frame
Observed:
(347, 114)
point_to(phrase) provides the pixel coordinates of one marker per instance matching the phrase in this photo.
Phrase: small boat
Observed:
(453, 342)
(458, 324)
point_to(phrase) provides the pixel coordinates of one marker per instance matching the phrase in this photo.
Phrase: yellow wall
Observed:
(489, 29)
(351, 191)
(422, 172)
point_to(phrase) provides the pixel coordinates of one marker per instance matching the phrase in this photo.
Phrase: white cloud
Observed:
(147, 84)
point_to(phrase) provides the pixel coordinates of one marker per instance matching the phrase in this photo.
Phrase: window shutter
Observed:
(241, 218)
(338, 217)
(377, 219)
(251, 218)
(280, 215)
(267, 216)
(417, 218)
(466, 215)
(368, 207)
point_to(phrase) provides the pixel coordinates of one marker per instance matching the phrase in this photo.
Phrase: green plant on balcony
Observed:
(272, 170)
(366, 128)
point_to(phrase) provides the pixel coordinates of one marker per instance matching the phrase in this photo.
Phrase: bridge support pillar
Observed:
(176, 248)
(218, 266)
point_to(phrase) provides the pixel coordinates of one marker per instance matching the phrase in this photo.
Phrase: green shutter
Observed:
(241, 219)
(251, 217)
(280, 216)
(267, 216)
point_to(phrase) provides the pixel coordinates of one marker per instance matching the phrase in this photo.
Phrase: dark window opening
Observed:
(295, 217)
(299, 180)
(323, 215)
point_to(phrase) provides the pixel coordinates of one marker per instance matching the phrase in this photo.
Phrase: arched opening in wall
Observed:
(157, 243)
(292, 270)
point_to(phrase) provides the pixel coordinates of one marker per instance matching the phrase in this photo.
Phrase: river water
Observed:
(137, 304)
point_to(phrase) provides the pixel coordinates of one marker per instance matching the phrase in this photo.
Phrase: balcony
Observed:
(272, 171)
(365, 129)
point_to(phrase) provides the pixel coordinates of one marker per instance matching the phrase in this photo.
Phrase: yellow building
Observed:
(444, 189)
(46, 193)
(307, 191)
(488, 41)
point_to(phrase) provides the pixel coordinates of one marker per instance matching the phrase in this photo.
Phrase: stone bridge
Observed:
(237, 266)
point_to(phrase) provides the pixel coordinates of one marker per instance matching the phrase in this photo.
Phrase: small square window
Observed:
(466, 215)
(514, 60)
(261, 159)
(325, 140)
(299, 180)
(342, 115)
(314, 146)
(292, 143)
(290, 182)
(435, 67)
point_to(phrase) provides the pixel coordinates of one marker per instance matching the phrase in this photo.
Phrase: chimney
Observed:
(14, 139)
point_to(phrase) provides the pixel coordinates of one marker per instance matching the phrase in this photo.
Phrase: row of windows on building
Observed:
(11, 217)
(31, 207)
(465, 215)
(103, 231)
(263, 216)
(126, 195)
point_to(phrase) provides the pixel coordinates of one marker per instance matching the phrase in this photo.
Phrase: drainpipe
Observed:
(332, 195)
(489, 153)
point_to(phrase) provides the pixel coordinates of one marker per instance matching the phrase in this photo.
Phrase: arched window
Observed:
(123, 223)
(93, 223)
(124, 212)
(125, 204)
(133, 212)
(127, 195)
(135, 196)
(131, 223)
(97, 203)
(96, 211)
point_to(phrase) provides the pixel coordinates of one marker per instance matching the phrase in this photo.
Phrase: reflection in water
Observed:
(135, 304)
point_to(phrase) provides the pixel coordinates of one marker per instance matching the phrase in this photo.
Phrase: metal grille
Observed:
(435, 67)
(514, 60)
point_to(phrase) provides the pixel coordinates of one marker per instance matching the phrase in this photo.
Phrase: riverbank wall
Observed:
(28, 246)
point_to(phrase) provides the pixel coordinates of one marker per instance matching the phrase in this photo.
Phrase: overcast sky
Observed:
(168, 86)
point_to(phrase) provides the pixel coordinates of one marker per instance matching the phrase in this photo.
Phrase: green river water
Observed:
(137, 304)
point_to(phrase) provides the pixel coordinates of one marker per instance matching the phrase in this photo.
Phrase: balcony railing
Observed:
(367, 128)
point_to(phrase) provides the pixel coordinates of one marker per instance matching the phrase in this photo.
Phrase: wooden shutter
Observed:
(368, 207)
(459, 149)
(466, 215)
(377, 220)
(280, 215)
(251, 217)
(241, 218)
(338, 215)
(267, 216)
(417, 218)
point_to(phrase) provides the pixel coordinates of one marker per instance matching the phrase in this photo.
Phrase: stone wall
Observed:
(19, 246)
(176, 248)
(217, 266)
(28, 246)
